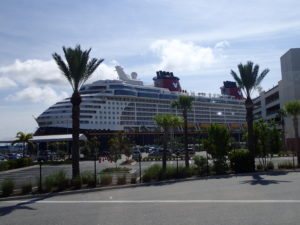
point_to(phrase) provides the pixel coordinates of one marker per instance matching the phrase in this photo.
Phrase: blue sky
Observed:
(200, 41)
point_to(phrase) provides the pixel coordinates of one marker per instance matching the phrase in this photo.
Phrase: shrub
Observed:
(26, 188)
(116, 169)
(146, 178)
(201, 163)
(105, 179)
(240, 161)
(4, 166)
(23, 162)
(285, 165)
(220, 166)
(7, 186)
(12, 164)
(156, 172)
(133, 180)
(270, 165)
(153, 172)
(121, 180)
(260, 167)
(184, 172)
(168, 173)
(60, 180)
(49, 183)
(88, 178)
(76, 182)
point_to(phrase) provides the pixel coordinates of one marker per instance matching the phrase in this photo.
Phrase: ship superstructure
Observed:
(128, 105)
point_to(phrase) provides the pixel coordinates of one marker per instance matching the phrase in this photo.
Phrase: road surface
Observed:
(232, 200)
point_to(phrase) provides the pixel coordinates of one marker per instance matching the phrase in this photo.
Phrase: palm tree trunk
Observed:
(249, 118)
(283, 135)
(295, 120)
(187, 163)
(75, 100)
(164, 158)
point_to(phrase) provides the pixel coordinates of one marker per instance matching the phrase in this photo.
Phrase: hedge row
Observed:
(15, 163)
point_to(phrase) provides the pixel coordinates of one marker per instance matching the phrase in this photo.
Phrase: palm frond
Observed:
(78, 68)
(261, 77)
(63, 67)
(248, 78)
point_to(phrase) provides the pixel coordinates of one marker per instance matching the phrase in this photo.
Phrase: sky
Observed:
(200, 41)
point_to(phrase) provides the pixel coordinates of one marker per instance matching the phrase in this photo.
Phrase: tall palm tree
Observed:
(24, 139)
(77, 69)
(248, 80)
(184, 103)
(293, 109)
(166, 122)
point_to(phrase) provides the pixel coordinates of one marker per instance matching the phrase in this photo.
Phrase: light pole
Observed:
(95, 169)
(140, 165)
(177, 156)
(40, 181)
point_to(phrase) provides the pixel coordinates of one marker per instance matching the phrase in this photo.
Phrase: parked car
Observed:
(182, 151)
(2, 158)
(154, 152)
(136, 154)
(159, 152)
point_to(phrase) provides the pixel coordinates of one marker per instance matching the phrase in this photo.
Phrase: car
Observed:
(12, 156)
(136, 154)
(159, 152)
(154, 152)
(182, 151)
(2, 158)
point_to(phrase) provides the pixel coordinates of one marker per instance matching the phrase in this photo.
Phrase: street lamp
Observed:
(140, 165)
(40, 159)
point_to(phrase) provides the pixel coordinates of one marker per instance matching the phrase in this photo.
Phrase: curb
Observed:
(114, 187)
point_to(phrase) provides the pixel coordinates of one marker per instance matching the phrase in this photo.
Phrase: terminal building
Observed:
(268, 104)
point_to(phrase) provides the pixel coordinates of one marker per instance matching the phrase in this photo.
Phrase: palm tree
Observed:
(24, 139)
(118, 145)
(248, 80)
(293, 109)
(93, 144)
(166, 122)
(184, 103)
(77, 69)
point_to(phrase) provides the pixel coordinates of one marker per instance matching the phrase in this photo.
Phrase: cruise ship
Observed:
(126, 104)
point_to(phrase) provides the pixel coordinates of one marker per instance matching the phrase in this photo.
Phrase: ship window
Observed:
(147, 95)
(125, 92)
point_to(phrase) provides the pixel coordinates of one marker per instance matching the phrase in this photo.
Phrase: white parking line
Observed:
(149, 201)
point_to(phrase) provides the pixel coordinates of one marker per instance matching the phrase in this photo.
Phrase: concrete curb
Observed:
(165, 182)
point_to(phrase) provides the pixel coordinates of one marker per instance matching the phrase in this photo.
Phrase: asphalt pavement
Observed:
(224, 200)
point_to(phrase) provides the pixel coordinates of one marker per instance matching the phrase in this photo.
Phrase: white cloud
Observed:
(222, 44)
(6, 83)
(34, 72)
(45, 95)
(180, 56)
(104, 72)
